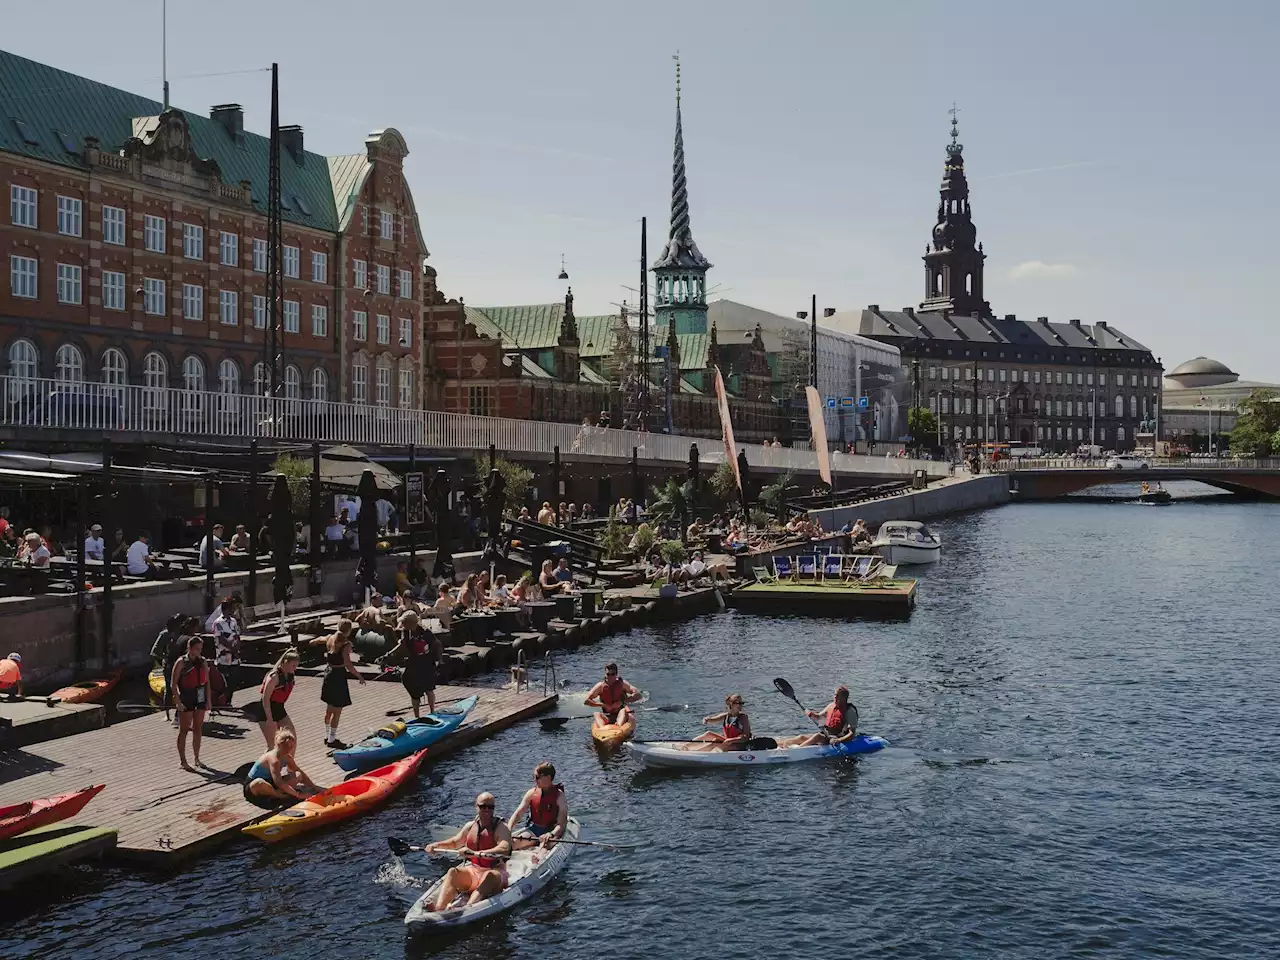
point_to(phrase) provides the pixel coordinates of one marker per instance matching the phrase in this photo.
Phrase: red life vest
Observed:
(836, 718)
(284, 686)
(419, 643)
(544, 808)
(614, 695)
(475, 842)
(192, 676)
(733, 726)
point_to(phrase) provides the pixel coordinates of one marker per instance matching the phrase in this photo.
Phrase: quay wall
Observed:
(939, 500)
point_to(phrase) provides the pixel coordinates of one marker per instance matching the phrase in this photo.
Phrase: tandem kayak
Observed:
(22, 817)
(658, 753)
(528, 871)
(347, 799)
(87, 691)
(610, 735)
(397, 740)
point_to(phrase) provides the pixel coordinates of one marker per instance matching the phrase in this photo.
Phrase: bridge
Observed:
(1049, 479)
(84, 413)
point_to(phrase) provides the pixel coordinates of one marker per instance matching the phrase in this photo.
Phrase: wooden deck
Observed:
(163, 813)
(35, 719)
(46, 849)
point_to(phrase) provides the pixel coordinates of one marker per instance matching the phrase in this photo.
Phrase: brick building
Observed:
(136, 249)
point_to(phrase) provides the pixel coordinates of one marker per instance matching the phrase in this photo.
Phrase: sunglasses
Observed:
(484, 806)
(611, 673)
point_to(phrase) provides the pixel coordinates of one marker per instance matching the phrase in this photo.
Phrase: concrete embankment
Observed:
(942, 497)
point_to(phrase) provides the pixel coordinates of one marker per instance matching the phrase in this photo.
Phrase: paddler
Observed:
(485, 873)
(276, 776)
(192, 696)
(836, 725)
(611, 695)
(11, 677)
(268, 711)
(735, 728)
(547, 808)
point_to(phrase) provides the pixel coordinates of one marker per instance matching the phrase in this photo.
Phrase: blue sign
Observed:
(846, 402)
(864, 403)
(831, 403)
(660, 351)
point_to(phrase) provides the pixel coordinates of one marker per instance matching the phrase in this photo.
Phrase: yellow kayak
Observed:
(611, 735)
(155, 680)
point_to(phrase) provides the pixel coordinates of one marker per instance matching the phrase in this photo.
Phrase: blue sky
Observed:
(1121, 155)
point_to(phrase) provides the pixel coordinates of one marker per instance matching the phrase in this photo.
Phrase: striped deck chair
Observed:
(859, 568)
(782, 568)
(807, 568)
(832, 566)
(762, 575)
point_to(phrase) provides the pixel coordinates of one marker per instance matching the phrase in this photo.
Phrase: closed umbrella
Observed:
(280, 526)
(367, 534)
(495, 502)
(443, 568)
(744, 473)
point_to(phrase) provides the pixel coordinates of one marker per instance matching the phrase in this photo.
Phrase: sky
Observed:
(1121, 155)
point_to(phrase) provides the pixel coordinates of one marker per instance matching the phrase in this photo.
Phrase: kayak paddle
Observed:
(402, 847)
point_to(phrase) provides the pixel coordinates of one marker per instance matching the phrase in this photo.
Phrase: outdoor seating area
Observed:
(823, 566)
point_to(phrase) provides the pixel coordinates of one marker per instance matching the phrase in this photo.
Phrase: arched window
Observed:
(383, 395)
(228, 377)
(1119, 438)
(292, 382)
(968, 283)
(259, 379)
(155, 378)
(1133, 405)
(937, 282)
(319, 384)
(360, 379)
(24, 362)
(69, 364)
(405, 383)
(115, 368)
(1119, 405)
(193, 374)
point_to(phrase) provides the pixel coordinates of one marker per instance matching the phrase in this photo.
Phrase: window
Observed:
(991, 375)
(155, 377)
(23, 276)
(112, 290)
(192, 302)
(259, 312)
(406, 285)
(24, 362)
(1057, 406)
(1057, 378)
(228, 377)
(1102, 379)
(229, 307)
(319, 384)
(946, 374)
(1079, 408)
(361, 270)
(22, 206)
(1119, 406)
(1004, 374)
(360, 381)
(991, 406)
(1089, 408)
(153, 233)
(1133, 379)
(193, 241)
(319, 320)
(1119, 437)
(1133, 403)
(113, 225)
(406, 332)
(933, 373)
(193, 374)
(406, 387)
(1035, 405)
(292, 383)
(68, 283)
(383, 397)
(384, 328)
(291, 261)
(384, 278)
(320, 267)
(259, 255)
(229, 249)
(1068, 378)
(292, 311)
(115, 369)
(933, 403)
(1089, 379)
(478, 401)
(388, 224)
(1037, 376)
(69, 216)
(1059, 433)
(968, 404)
(260, 384)
(946, 404)
(153, 296)
(360, 326)
(1144, 379)
(68, 364)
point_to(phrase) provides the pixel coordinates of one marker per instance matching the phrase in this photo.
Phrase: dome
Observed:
(1201, 372)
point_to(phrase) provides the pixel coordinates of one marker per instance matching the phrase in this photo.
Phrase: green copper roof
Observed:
(537, 327)
(41, 107)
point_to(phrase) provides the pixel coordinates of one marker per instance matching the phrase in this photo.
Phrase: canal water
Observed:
(1083, 763)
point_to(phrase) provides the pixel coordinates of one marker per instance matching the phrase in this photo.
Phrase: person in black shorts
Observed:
(190, 685)
(424, 653)
(334, 690)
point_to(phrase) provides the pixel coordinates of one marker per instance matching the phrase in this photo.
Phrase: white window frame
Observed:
(70, 220)
(69, 289)
(405, 388)
(319, 384)
(24, 206)
(153, 233)
(360, 272)
(259, 255)
(292, 316)
(112, 290)
(113, 226)
(405, 287)
(229, 249)
(153, 297)
(382, 384)
(193, 241)
(386, 225)
(229, 308)
(192, 301)
(292, 259)
(24, 277)
(360, 381)
(383, 273)
(68, 364)
(228, 378)
(319, 320)
(115, 368)
(383, 328)
(259, 312)
(360, 326)
(406, 332)
(319, 267)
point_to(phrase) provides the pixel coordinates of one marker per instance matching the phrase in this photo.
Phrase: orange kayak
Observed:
(87, 691)
(611, 735)
(347, 799)
(22, 817)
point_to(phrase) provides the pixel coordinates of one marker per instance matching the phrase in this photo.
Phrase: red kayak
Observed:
(87, 691)
(22, 817)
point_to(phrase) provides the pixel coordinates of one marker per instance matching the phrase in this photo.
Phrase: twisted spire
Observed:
(680, 250)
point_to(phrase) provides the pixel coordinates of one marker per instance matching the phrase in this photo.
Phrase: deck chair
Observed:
(859, 568)
(832, 565)
(762, 575)
(807, 568)
(782, 568)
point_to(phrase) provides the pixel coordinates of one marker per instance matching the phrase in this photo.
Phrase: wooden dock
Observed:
(34, 720)
(163, 813)
(46, 849)
(876, 598)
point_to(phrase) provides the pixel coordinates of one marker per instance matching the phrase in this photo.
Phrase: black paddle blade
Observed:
(553, 723)
(784, 688)
(853, 718)
(399, 847)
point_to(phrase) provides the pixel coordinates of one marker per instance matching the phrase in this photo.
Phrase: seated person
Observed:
(488, 840)
(276, 778)
(547, 580)
(837, 723)
(501, 592)
(240, 539)
(547, 808)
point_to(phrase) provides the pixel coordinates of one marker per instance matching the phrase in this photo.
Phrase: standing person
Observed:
(735, 727)
(162, 656)
(275, 776)
(11, 676)
(268, 711)
(334, 690)
(94, 548)
(611, 695)
(548, 811)
(226, 640)
(485, 873)
(192, 695)
(425, 653)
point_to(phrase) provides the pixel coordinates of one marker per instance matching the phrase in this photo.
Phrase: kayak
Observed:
(659, 753)
(528, 871)
(347, 799)
(22, 817)
(155, 680)
(611, 735)
(397, 740)
(87, 691)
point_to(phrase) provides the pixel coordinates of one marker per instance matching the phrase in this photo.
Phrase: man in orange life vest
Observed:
(488, 842)
(611, 695)
(11, 677)
(838, 723)
(548, 811)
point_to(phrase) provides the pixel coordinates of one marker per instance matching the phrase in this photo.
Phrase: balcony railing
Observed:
(1156, 463)
(133, 409)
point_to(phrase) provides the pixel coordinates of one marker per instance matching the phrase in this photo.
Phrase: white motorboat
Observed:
(907, 541)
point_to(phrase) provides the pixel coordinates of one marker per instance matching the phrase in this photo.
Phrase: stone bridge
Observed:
(1049, 479)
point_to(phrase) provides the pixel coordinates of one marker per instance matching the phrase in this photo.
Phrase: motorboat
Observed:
(907, 541)
(1157, 495)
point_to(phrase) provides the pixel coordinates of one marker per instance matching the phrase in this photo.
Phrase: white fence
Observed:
(1157, 464)
(105, 409)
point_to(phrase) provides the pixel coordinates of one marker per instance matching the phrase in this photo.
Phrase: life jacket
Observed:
(10, 673)
(475, 841)
(419, 644)
(544, 808)
(836, 718)
(733, 727)
(391, 730)
(284, 686)
(192, 676)
(613, 696)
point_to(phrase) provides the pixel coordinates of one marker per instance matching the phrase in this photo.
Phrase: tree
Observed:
(723, 486)
(1257, 424)
(518, 480)
(614, 540)
(774, 496)
(922, 425)
(298, 473)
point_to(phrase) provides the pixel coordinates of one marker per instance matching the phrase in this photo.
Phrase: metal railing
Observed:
(1179, 464)
(131, 408)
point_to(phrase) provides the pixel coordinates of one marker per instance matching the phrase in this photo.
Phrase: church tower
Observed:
(681, 270)
(953, 261)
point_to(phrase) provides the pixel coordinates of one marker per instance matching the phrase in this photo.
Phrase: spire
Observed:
(568, 323)
(954, 258)
(713, 348)
(680, 250)
(673, 346)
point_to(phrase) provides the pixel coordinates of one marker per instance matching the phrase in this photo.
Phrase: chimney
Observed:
(873, 307)
(909, 311)
(1044, 320)
(1011, 317)
(828, 312)
(291, 140)
(1102, 324)
(231, 116)
(1075, 323)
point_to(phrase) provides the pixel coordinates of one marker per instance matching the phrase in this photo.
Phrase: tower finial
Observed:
(955, 132)
(676, 57)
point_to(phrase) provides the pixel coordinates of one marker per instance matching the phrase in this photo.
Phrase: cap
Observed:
(15, 657)
(96, 528)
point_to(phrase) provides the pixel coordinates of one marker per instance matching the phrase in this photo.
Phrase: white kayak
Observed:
(528, 871)
(669, 753)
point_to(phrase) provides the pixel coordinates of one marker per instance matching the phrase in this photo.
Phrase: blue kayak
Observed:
(674, 753)
(398, 739)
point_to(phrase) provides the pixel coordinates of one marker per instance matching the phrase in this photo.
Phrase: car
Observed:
(1128, 463)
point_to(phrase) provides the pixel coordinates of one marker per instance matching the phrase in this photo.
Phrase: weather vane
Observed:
(676, 57)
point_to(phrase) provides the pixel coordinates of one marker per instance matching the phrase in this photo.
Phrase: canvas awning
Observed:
(341, 467)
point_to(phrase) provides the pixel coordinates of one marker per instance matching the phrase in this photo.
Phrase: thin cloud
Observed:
(1036, 269)
(1056, 166)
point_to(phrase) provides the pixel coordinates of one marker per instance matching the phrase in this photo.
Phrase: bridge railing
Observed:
(1181, 464)
(101, 408)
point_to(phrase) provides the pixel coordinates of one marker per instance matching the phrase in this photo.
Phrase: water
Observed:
(1083, 764)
